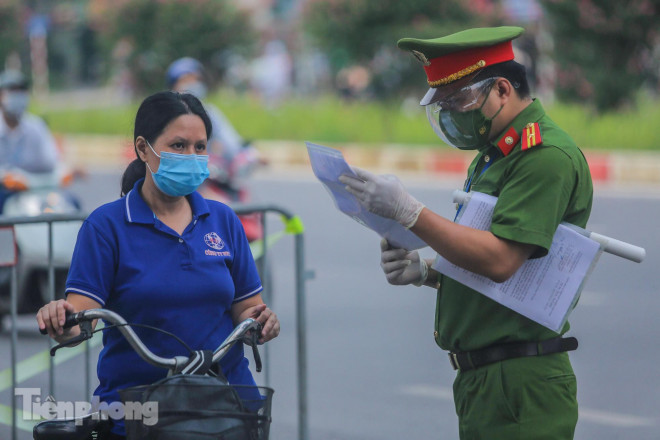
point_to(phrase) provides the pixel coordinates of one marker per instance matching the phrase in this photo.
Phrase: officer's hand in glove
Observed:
(402, 267)
(383, 195)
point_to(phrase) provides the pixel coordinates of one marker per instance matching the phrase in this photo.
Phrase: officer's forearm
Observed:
(478, 251)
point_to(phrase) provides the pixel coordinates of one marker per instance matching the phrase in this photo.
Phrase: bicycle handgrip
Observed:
(70, 321)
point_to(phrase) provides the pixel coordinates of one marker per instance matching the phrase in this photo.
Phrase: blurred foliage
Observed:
(11, 28)
(365, 32)
(156, 32)
(605, 49)
(329, 119)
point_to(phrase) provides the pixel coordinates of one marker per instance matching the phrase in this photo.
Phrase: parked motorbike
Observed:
(35, 194)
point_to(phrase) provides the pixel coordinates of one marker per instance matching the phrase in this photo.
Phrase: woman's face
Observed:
(184, 135)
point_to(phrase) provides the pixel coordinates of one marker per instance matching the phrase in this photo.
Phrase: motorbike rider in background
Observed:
(26, 143)
(231, 159)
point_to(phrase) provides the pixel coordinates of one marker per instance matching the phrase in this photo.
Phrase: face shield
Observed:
(456, 117)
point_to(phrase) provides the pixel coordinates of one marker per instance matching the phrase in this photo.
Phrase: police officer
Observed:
(514, 379)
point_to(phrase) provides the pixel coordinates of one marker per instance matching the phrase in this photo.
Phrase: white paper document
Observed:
(328, 164)
(544, 290)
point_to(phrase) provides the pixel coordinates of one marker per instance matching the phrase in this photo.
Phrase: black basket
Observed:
(197, 408)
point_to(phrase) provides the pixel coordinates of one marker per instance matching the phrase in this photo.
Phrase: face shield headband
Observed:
(457, 117)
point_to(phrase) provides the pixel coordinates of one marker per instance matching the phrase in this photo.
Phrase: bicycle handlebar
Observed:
(176, 363)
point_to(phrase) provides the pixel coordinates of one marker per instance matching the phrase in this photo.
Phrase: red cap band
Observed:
(449, 68)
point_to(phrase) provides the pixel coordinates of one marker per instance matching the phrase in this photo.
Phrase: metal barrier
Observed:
(292, 225)
(48, 219)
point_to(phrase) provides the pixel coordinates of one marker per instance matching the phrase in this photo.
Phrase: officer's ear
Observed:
(504, 90)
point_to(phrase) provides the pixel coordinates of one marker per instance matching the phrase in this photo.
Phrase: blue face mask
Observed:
(179, 174)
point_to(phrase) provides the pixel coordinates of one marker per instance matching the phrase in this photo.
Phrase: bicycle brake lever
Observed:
(252, 339)
(85, 334)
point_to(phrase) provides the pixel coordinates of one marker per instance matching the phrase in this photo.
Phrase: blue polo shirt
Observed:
(135, 265)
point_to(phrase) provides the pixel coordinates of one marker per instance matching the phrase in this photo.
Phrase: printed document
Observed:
(545, 289)
(328, 164)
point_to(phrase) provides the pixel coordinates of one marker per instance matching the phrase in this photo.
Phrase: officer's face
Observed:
(495, 106)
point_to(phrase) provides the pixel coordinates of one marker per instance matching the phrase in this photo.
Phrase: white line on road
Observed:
(586, 414)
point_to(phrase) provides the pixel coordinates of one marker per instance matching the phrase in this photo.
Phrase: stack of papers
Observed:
(545, 289)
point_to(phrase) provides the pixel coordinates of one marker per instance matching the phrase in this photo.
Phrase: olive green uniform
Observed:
(537, 188)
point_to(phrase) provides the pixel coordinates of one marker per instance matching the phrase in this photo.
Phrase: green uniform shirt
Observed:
(537, 189)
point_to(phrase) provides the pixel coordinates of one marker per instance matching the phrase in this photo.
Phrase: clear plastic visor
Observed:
(460, 99)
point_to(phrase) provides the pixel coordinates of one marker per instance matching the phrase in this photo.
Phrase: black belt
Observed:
(468, 360)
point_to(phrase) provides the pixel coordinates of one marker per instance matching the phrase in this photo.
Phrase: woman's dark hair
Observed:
(512, 71)
(154, 114)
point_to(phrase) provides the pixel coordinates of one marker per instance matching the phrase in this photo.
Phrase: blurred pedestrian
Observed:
(514, 380)
(187, 75)
(271, 73)
(232, 160)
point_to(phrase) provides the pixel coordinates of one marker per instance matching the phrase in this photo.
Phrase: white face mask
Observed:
(197, 89)
(15, 102)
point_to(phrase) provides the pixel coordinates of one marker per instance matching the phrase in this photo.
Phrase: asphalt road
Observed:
(374, 369)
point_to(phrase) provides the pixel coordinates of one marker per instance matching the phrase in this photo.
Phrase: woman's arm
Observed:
(254, 307)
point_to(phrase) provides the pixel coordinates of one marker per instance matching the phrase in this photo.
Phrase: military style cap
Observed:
(453, 57)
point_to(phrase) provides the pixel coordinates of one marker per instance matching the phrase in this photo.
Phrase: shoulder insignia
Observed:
(531, 136)
(508, 141)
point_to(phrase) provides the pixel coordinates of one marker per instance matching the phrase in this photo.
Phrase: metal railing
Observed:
(293, 226)
(48, 219)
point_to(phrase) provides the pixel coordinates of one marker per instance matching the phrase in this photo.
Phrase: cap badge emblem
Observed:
(421, 57)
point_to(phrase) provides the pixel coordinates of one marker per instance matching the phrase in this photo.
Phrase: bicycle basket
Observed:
(197, 408)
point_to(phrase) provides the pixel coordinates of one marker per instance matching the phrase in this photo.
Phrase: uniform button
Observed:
(486, 158)
(180, 240)
(435, 335)
(195, 222)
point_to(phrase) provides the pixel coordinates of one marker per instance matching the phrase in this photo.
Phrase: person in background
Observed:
(232, 160)
(515, 379)
(26, 143)
(164, 256)
(225, 145)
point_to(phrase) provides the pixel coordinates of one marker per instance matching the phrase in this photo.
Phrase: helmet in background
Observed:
(181, 67)
(13, 79)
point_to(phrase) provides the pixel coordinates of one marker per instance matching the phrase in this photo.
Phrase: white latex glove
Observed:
(402, 267)
(383, 195)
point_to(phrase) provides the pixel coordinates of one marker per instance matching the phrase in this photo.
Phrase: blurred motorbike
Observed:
(227, 184)
(33, 194)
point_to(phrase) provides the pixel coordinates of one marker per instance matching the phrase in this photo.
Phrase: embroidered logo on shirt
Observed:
(214, 241)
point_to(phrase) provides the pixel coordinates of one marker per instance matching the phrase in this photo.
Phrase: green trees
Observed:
(158, 32)
(11, 29)
(605, 49)
(365, 32)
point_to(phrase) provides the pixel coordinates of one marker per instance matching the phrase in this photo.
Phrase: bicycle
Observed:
(193, 401)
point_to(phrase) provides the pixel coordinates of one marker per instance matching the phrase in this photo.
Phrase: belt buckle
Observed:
(453, 360)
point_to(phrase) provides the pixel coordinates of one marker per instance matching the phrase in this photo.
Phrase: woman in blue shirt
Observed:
(164, 256)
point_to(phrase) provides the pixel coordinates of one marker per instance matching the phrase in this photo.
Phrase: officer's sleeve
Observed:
(92, 265)
(243, 268)
(535, 197)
